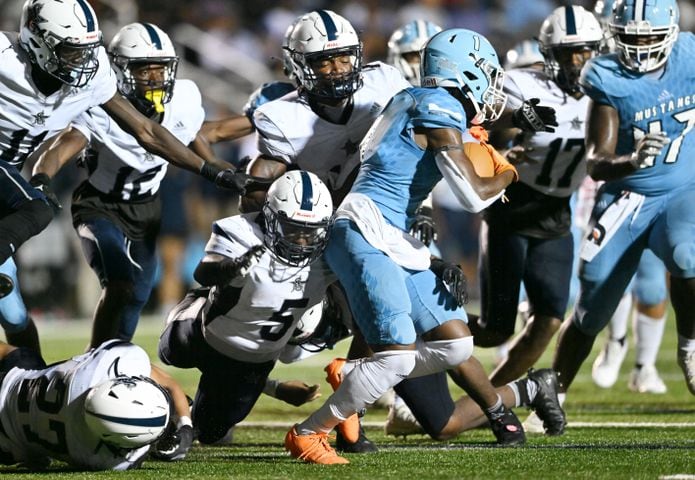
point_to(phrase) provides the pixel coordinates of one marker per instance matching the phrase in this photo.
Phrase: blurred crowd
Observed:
(54, 279)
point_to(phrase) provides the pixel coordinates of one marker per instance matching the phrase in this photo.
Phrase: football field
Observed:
(611, 434)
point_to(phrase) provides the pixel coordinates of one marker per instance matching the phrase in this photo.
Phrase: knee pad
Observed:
(440, 355)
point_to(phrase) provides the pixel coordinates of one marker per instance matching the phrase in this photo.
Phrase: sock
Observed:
(617, 328)
(686, 344)
(561, 398)
(496, 411)
(648, 333)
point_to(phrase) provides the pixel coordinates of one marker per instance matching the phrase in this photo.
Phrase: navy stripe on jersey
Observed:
(217, 230)
(570, 21)
(307, 193)
(331, 29)
(139, 422)
(87, 15)
(154, 37)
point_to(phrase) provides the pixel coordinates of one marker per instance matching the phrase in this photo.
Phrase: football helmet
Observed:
(466, 61)
(128, 412)
(307, 325)
(405, 45)
(62, 38)
(298, 213)
(568, 38)
(644, 32)
(325, 324)
(523, 54)
(321, 35)
(287, 68)
(140, 44)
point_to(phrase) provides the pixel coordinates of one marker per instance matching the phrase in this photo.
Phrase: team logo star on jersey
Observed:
(350, 147)
(576, 124)
(298, 284)
(40, 118)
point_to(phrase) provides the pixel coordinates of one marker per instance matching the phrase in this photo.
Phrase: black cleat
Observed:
(362, 445)
(507, 429)
(6, 285)
(546, 404)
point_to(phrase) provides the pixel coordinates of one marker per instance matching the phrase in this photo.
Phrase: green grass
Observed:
(654, 438)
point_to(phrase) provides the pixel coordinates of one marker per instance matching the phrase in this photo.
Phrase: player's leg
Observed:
(606, 367)
(547, 277)
(20, 329)
(648, 323)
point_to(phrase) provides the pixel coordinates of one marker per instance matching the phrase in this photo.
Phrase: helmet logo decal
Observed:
(476, 43)
(87, 15)
(154, 37)
(570, 21)
(307, 192)
(331, 29)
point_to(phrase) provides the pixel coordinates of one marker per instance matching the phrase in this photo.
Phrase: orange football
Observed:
(480, 158)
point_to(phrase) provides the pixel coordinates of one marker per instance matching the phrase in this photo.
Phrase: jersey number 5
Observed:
(49, 398)
(285, 317)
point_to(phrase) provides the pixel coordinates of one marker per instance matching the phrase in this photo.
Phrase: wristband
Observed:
(271, 387)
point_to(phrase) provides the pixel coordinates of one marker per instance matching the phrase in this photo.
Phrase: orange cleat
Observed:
(313, 448)
(350, 427)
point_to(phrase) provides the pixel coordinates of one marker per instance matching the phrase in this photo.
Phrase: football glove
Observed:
(648, 147)
(174, 445)
(531, 117)
(42, 183)
(237, 267)
(453, 277)
(423, 228)
(233, 179)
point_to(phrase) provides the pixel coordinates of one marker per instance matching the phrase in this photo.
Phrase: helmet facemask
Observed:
(332, 86)
(642, 48)
(490, 104)
(296, 243)
(148, 91)
(560, 64)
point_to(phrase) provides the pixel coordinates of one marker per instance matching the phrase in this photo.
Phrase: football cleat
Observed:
(545, 403)
(350, 427)
(401, 422)
(362, 445)
(686, 360)
(646, 380)
(507, 429)
(6, 285)
(313, 448)
(607, 365)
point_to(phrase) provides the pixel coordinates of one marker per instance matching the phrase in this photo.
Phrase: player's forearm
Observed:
(609, 167)
(178, 397)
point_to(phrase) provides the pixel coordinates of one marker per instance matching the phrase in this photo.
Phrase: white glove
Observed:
(648, 148)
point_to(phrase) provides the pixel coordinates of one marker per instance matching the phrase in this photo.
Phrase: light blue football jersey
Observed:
(649, 103)
(396, 173)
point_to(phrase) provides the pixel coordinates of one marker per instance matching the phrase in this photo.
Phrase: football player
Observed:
(99, 411)
(528, 238)
(416, 141)
(262, 273)
(639, 141)
(53, 70)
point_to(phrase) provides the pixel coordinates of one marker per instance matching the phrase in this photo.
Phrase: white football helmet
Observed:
(565, 32)
(405, 45)
(62, 38)
(287, 67)
(523, 55)
(307, 325)
(140, 44)
(317, 36)
(298, 213)
(128, 412)
(644, 32)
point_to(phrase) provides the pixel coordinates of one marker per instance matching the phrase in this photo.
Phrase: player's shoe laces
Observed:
(401, 422)
(6, 285)
(607, 365)
(313, 448)
(350, 427)
(545, 403)
(646, 380)
(686, 360)
(362, 445)
(507, 429)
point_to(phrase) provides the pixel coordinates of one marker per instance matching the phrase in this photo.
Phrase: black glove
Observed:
(174, 445)
(531, 117)
(42, 182)
(240, 266)
(453, 277)
(234, 180)
(423, 228)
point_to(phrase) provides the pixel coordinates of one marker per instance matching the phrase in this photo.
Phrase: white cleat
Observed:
(401, 422)
(646, 380)
(686, 360)
(607, 365)
(533, 424)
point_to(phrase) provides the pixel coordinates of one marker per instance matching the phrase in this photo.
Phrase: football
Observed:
(480, 158)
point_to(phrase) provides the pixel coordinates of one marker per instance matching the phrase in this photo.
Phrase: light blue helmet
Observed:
(603, 10)
(465, 60)
(523, 54)
(634, 20)
(409, 39)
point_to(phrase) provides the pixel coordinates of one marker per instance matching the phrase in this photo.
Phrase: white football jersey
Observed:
(121, 166)
(289, 130)
(42, 411)
(558, 163)
(253, 317)
(27, 117)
